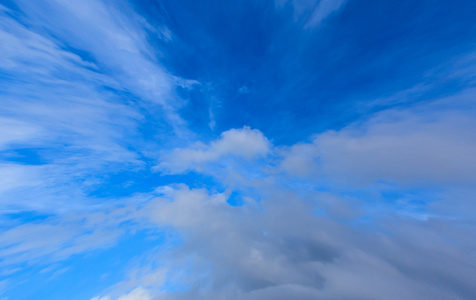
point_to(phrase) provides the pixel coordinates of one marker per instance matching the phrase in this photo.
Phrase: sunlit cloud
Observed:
(252, 150)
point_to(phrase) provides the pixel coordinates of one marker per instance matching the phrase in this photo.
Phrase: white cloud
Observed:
(101, 298)
(312, 12)
(65, 62)
(323, 10)
(79, 76)
(57, 238)
(17, 176)
(417, 146)
(137, 294)
(112, 37)
(275, 248)
(245, 143)
(300, 159)
(13, 131)
(281, 250)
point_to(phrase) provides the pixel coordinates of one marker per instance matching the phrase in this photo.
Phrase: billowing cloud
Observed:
(416, 147)
(280, 249)
(245, 143)
(305, 244)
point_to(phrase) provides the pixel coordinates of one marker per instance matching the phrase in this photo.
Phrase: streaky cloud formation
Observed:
(270, 149)
(313, 12)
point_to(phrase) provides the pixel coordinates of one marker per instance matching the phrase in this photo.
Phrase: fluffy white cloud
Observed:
(408, 149)
(404, 147)
(300, 159)
(244, 143)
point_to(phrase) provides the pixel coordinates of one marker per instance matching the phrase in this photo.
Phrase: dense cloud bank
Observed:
(290, 239)
(282, 250)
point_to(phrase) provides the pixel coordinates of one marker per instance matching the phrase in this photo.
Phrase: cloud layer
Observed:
(303, 243)
(290, 149)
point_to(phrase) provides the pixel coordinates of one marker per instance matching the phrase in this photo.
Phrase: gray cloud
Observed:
(294, 242)
(418, 146)
(280, 249)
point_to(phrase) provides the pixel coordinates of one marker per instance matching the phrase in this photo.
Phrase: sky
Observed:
(252, 149)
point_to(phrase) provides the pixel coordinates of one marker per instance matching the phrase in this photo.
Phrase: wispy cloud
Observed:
(323, 10)
(76, 79)
(65, 99)
(313, 12)
(99, 149)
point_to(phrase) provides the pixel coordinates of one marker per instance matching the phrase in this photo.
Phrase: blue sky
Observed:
(266, 149)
